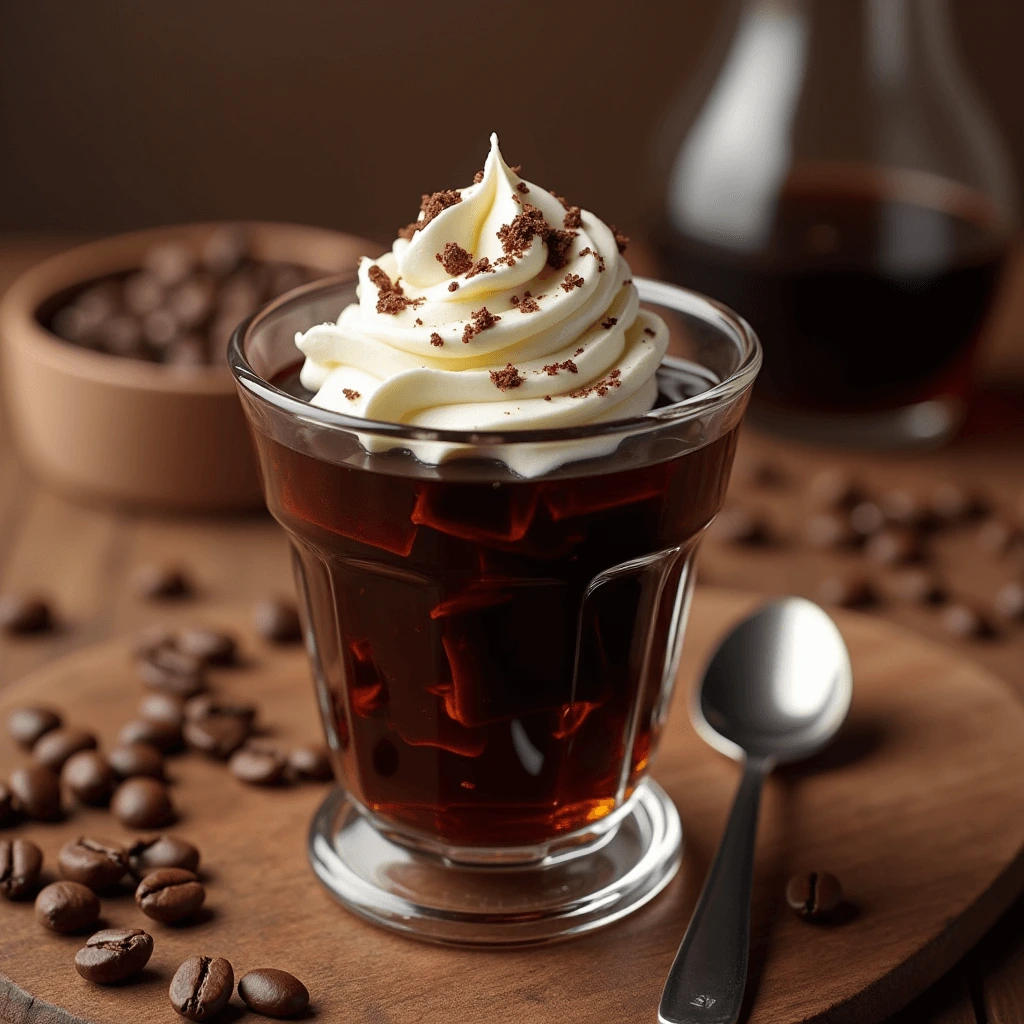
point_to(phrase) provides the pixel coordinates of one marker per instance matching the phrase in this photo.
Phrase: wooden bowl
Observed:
(122, 430)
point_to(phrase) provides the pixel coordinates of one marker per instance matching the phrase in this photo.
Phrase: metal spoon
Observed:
(777, 689)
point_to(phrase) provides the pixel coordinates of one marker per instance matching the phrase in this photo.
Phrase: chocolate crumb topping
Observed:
(521, 188)
(517, 169)
(552, 368)
(503, 261)
(418, 322)
(629, 282)
(649, 331)
(601, 387)
(478, 177)
(516, 199)
(558, 243)
(572, 281)
(516, 237)
(572, 218)
(609, 323)
(597, 256)
(350, 394)
(390, 297)
(621, 240)
(431, 205)
(482, 266)
(547, 398)
(561, 199)
(505, 380)
(453, 286)
(578, 352)
(526, 304)
(454, 259)
(482, 319)
(436, 340)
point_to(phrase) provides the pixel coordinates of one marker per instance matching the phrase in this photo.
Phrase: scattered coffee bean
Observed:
(894, 546)
(27, 725)
(21, 615)
(951, 504)
(67, 907)
(169, 263)
(20, 864)
(131, 759)
(999, 537)
(97, 863)
(7, 811)
(162, 707)
(1009, 601)
(205, 706)
(915, 586)
(867, 518)
(277, 620)
(814, 896)
(152, 639)
(210, 646)
(170, 894)
(273, 993)
(89, 777)
(35, 791)
(259, 764)
(201, 987)
(53, 748)
(142, 803)
(113, 955)
(848, 591)
(217, 729)
(904, 507)
(835, 489)
(172, 671)
(828, 530)
(152, 853)
(161, 581)
(162, 735)
(968, 623)
(740, 526)
(310, 763)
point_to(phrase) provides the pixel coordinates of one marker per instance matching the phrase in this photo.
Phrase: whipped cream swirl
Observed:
(501, 308)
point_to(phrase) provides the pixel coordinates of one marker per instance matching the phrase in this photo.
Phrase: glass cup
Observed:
(494, 656)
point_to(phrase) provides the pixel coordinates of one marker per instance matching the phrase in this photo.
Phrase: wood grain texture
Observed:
(914, 808)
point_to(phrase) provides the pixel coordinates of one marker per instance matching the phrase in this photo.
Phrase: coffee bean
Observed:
(736, 525)
(206, 705)
(97, 863)
(915, 586)
(162, 735)
(967, 622)
(814, 896)
(311, 763)
(121, 335)
(163, 707)
(27, 725)
(185, 351)
(152, 853)
(142, 803)
(828, 530)
(277, 620)
(172, 671)
(224, 250)
(89, 777)
(191, 302)
(170, 894)
(35, 791)
(170, 263)
(53, 748)
(950, 503)
(259, 764)
(273, 993)
(159, 328)
(867, 518)
(1001, 538)
(131, 759)
(210, 646)
(20, 864)
(848, 591)
(67, 907)
(217, 729)
(835, 489)
(1009, 601)
(21, 614)
(7, 811)
(895, 545)
(158, 581)
(113, 955)
(201, 987)
(904, 507)
(142, 294)
(151, 639)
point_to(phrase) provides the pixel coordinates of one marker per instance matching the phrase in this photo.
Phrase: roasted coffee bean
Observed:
(915, 586)
(828, 530)
(736, 525)
(162, 735)
(895, 545)
(206, 705)
(186, 350)
(131, 759)
(815, 896)
(950, 503)
(162, 707)
(160, 581)
(7, 811)
(217, 729)
(89, 777)
(24, 614)
(273, 993)
(848, 591)
(121, 335)
(968, 623)
(20, 864)
(867, 518)
(35, 791)
(142, 803)
(310, 763)
(170, 263)
(53, 748)
(1009, 601)
(151, 639)
(259, 764)
(96, 863)
(142, 293)
(224, 250)
(277, 620)
(27, 725)
(191, 302)
(999, 537)
(67, 907)
(904, 507)
(169, 895)
(152, 853)
(211, 646)
(201, 987)
(835, 489)
(113, 955)
(172, 671)
(159, 328)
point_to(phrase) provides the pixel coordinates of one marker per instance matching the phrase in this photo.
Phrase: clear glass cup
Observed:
(493, 655)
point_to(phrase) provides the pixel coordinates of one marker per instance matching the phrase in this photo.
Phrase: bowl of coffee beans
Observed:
(115, 367)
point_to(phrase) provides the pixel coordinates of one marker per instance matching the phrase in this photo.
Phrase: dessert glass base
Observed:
(503, 897)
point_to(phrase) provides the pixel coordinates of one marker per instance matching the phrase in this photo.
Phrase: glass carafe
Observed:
(839, 184)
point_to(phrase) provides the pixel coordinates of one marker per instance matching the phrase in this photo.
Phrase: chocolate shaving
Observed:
(453, 286)
(430, 206)
(436, 340)
(593, 252)
(649, 331)
(601, 387)
(621, 240)
(572, 218)
(609, 323)
(454, 259)
(350, 394)
(572, 281)
(521, 188)
(526, 304)
(390, 297)
(505, 380)
(482, 266)
(482, 319)
(552, 368)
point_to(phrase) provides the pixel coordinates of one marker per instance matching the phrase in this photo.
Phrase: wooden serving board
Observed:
(918, 807)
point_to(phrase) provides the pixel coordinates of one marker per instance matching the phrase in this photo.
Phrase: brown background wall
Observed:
(120, 114)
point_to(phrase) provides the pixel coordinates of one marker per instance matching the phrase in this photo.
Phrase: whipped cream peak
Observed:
(501, 308)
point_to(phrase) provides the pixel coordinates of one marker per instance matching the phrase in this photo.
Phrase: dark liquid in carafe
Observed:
(867, 293)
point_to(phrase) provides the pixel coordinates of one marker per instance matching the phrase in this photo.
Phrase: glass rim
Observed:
(670, 296)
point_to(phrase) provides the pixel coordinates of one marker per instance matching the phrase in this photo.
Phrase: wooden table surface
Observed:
(83, 558)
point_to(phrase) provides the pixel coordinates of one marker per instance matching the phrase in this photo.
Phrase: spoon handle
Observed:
(709, 973)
